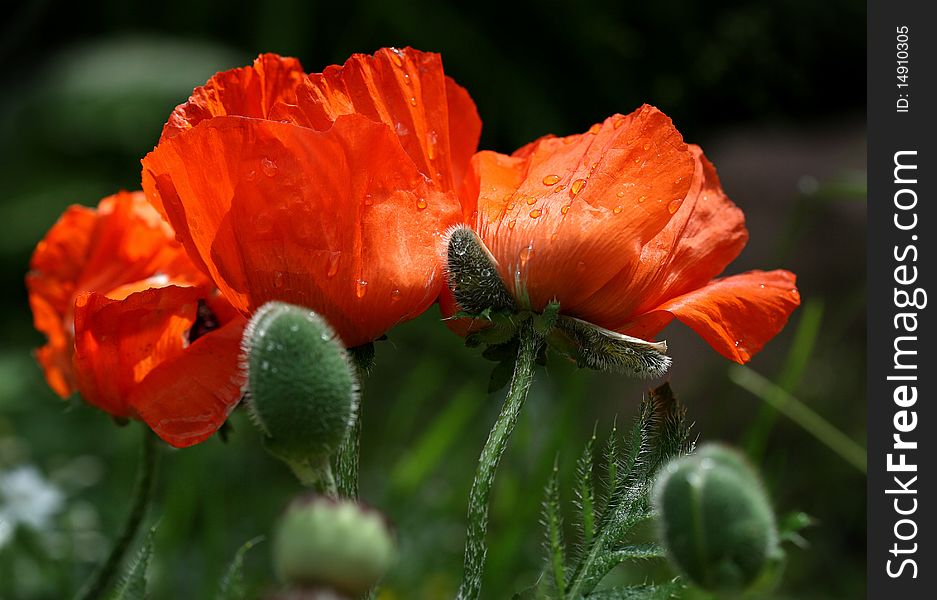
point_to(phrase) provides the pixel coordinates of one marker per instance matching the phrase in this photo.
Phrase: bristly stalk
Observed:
(142, 494)
(529, 343)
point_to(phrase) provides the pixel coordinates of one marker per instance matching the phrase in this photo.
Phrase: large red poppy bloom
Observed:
(328, 190)
(119, 301)
(626, 225)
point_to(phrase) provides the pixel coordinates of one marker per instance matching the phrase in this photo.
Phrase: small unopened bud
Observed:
(716, 520)
(301, 388)
(472, 273)
(603, 350)
(322, 543)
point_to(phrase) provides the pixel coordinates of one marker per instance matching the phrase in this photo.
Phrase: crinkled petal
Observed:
(119, 341)
(736, 315)
(435, 119)
(246, 92)
(340, 221)
(565, 215)
(186, 398)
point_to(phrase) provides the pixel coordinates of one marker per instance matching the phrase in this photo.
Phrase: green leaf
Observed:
(132, 584)
(232, 584)
(665, 591)
(553, 522)
(500, 375)
(585, 491)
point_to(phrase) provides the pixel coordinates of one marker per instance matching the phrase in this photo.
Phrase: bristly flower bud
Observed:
(597, 348)
(472, 274)
(301, 388)
(332, 544)
(716, 521)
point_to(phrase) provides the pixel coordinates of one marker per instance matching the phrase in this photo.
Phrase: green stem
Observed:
(317, 477)
(479, 497)
(143, 492)
(346, 457)
(801, 414)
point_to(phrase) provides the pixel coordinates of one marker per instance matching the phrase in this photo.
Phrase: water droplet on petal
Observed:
(553, 237)
(406, 79)
(333, 263)
(511, 206)
(647, 147)
(368, 200)
(412, 100)
(361, 288)
(535, 213)
(421, 204)
(397, 56)
(620, 194)
(525, 256)
(268, 167)
(551, 180)
(532, 200)
(642, 198)
(559, 188)
(565, 209)
(674, 205)
(618, 209)
(761, 285)
(401, 129)
(431, 139)
(512, 223)
(577, 186)
(395, 295)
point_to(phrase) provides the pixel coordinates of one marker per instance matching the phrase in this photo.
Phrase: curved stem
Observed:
(143, 492)
(529, 342)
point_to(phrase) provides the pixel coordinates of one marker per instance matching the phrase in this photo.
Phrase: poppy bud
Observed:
(332, 544)
(301, 388)
(473, 274)
(716, 521)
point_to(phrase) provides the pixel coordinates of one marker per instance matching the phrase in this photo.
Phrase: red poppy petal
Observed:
(117, 342)
(736, 315)
(706, 233)
(340, 221)
(585, 207)
(406, 89)
(186, 398)
(247, 92)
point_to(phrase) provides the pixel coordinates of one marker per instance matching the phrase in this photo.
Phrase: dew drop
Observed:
(761, 285)
(559, 188)
(511, 206)
(406, 79)
(397, 56)
(412, 100)
(647, 147)
(674, 205)
(421, 204)
(535, 213)
(577, 186)
(525, 255)
(565, 209)
(617, 210)
(401, 129)
(431, 140)
(268, 167)
(368, 200)
(553, 237)
(512, 223)
(395, 295)
(642, 198)
(620, 194)
(361, 288)
(333, 263)
(551, 180)
(532, 200)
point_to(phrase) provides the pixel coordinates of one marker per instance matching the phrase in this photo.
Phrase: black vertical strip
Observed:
(902, 167)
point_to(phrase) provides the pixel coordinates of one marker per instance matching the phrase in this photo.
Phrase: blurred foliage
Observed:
(87, 89)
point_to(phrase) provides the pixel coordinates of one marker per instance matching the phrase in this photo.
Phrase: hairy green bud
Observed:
(472, 273)
(716, 521)
(337, 544)
(301, 389)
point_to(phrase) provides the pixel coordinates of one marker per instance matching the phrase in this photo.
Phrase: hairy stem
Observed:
(143, 492)
(316, 476)
(479, 497)
(346, 457)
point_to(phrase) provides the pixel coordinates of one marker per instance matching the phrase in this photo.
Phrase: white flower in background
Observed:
(26, 498)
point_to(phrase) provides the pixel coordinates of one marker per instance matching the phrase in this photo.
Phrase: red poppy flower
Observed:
(119, 302)
(626, 226)
(328, 190)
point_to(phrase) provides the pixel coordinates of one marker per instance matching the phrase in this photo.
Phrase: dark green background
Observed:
(775, 94)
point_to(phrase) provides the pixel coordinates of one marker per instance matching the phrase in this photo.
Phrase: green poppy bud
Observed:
(301, 388)
(332, 544)
(716, 520)
(472, 273)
